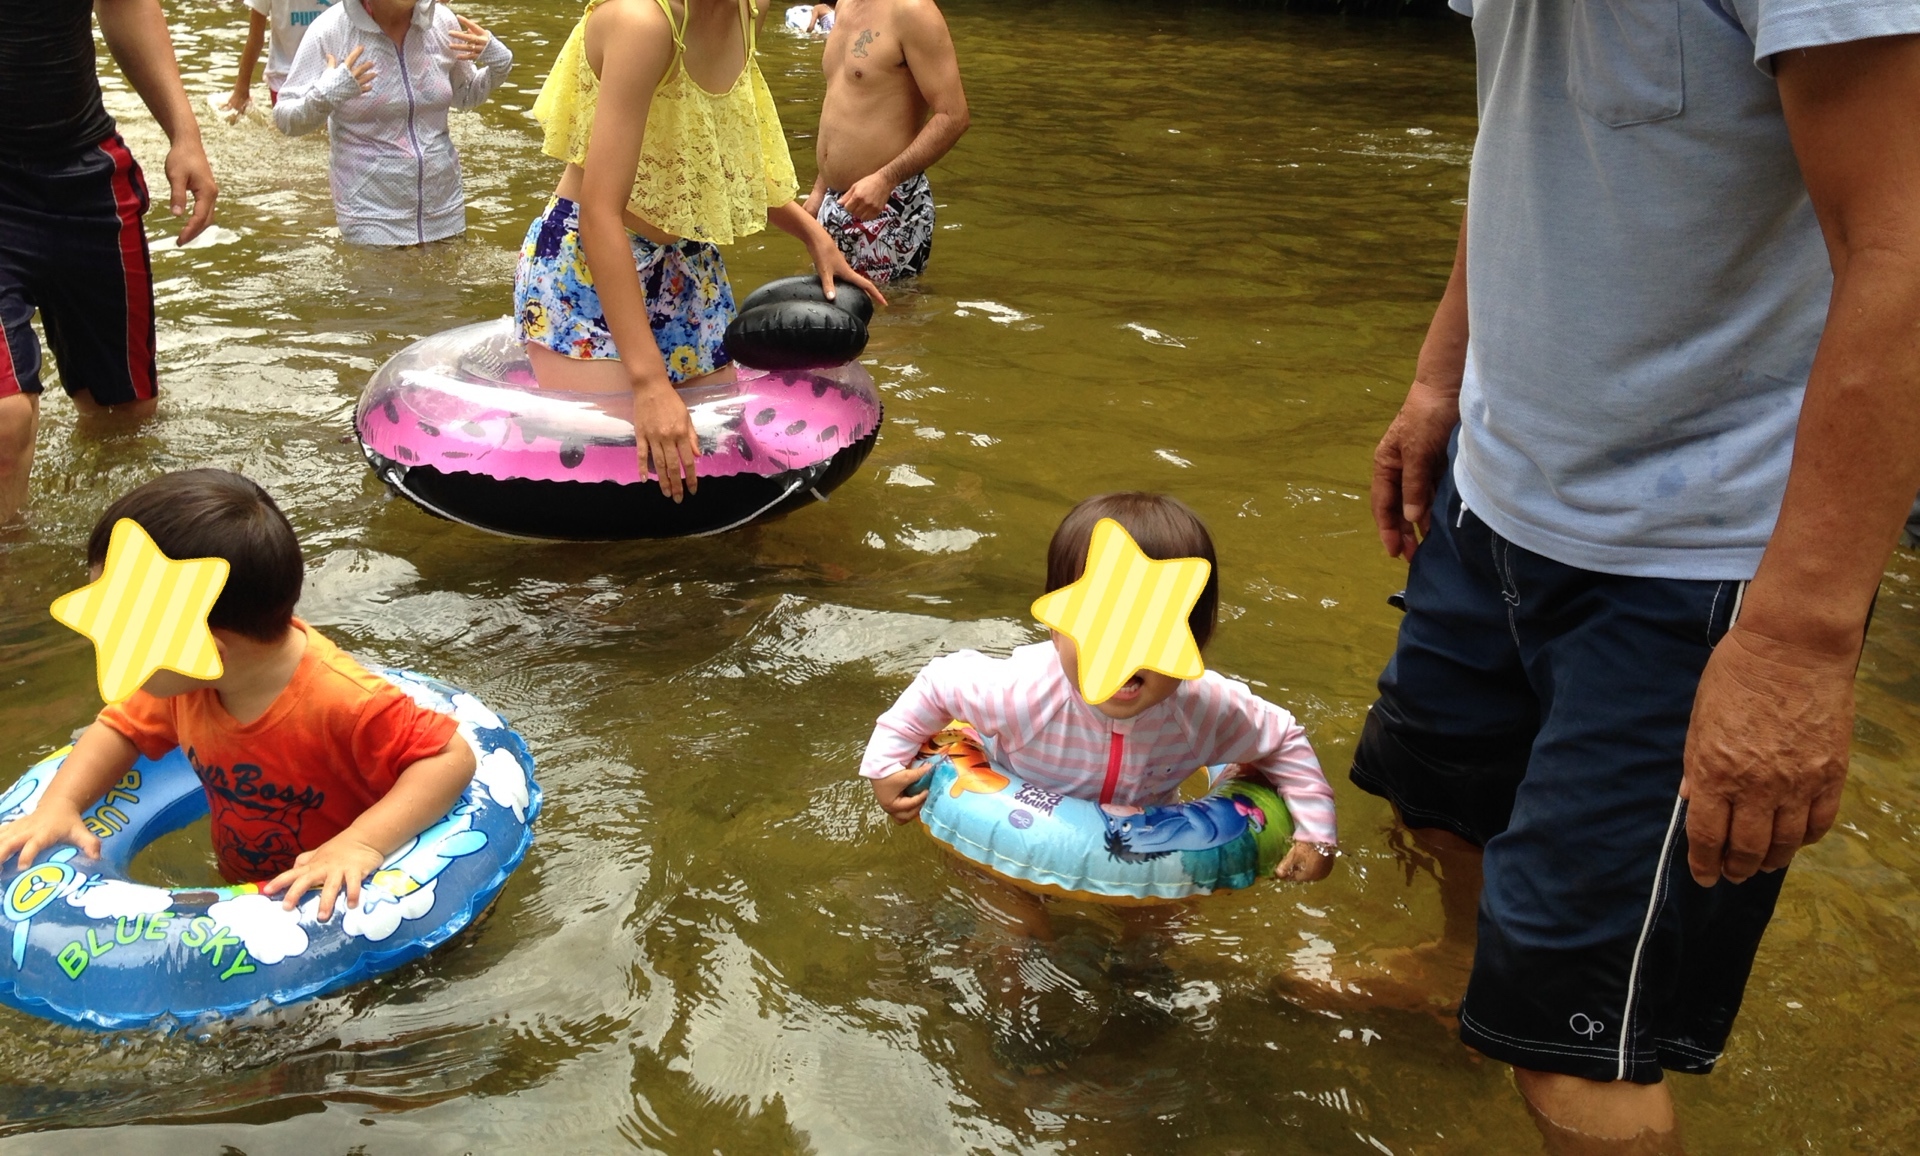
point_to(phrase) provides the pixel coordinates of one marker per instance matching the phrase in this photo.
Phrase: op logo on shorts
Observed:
(1582, 1025)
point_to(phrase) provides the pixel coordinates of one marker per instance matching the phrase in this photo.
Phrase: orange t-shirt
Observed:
(331, 745)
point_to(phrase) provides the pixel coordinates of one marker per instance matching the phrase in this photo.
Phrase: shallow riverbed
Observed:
(1184, 248)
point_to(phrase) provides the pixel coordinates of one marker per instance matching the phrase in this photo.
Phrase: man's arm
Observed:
(936, 72)
(136, 34)
(1413, 451)
(1767, 751)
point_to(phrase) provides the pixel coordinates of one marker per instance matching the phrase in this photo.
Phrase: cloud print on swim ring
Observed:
(379, 914)
(505, 782)
(119, 899)
(498, 771)
(270, 932)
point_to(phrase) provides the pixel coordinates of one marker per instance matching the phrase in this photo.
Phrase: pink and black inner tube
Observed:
(456, 424)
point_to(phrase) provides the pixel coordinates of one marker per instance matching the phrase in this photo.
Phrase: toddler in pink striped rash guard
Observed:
(1131, 750)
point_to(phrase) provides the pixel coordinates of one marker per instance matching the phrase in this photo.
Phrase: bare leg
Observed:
(1025, 988)
(1428, 978)
(1150, 925)
(19, 422)
(1433, 976)
(1022, 913)
(127, 412)
(1579, 1117)
(1576, 1117)
(602, 375)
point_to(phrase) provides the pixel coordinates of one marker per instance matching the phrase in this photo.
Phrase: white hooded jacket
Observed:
(395, 176)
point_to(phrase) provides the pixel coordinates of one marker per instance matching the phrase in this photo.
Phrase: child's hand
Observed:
(470, 41)
(360, 72)
(1305, 863)
(236, 105)
(832, 264)
(342, 862)
(664, 439)
(54, 821)
(890, 793)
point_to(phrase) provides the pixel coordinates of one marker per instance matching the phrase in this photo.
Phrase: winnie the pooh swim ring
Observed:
(1059, 845)
(82, 944)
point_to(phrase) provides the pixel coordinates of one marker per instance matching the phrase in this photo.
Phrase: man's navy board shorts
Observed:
(72, 246)
(1540, 711)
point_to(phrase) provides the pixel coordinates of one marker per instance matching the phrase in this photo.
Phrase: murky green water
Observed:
(1189, 249)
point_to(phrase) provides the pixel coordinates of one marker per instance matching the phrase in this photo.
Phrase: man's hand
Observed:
(867, 198)
(136, 35)
(53, 822)
(1766, 755)
(342, 863)
(1407, 465)
(239, 102)
(663, 436)
(891, 793)
(190, 176)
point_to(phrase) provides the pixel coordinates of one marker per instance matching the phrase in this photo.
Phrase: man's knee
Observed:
(138, 409)
(19, 417)
(1579, 1116)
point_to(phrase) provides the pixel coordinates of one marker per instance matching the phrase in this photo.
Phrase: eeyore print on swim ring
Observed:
(1058, 845)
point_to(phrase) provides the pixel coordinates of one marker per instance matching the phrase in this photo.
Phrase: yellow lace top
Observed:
(711, 164)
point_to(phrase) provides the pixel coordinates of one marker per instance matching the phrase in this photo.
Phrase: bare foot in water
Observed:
(1428, 979)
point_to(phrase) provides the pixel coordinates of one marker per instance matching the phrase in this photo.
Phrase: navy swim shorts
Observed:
(72, 246)
(1540, 711)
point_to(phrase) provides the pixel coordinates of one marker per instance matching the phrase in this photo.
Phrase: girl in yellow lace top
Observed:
(672, 146)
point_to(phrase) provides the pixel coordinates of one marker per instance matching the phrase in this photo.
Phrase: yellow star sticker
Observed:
(146, 612)
(1127, 613)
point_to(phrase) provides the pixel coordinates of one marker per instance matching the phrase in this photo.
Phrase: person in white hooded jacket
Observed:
(382, 75)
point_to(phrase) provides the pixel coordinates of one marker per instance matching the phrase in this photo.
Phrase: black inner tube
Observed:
(795, 334)
(806, 287)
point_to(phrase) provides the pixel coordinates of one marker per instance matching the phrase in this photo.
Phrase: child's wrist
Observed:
(1328, 850)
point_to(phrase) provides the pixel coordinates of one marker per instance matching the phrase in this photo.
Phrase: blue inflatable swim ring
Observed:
(82, 944)
(1056, 844)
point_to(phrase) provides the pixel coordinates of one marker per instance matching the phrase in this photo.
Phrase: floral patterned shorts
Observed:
(689, 301)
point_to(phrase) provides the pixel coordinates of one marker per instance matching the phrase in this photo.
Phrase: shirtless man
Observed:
(894, 106)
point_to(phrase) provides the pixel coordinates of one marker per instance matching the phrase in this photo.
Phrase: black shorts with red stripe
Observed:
(72, 246)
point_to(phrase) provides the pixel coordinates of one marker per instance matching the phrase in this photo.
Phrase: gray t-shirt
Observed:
(1646, 279)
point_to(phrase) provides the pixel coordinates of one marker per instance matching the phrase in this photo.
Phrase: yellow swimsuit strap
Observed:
(749, 14)
(679, 30)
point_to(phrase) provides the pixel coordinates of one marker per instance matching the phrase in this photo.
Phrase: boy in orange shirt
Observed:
(315, 769)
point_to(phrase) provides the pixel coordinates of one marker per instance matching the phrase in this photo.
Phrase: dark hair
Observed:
(218, 514)
(1162, 527)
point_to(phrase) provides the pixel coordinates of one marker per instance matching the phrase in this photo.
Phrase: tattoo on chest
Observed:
(860, 43)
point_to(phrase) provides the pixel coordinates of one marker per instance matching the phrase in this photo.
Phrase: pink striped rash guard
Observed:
(1038, 728)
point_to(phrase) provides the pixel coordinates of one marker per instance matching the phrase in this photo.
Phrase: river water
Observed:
(1186, 248)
